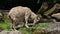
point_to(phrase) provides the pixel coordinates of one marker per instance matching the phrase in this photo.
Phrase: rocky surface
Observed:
(54, 28)
(10, 32)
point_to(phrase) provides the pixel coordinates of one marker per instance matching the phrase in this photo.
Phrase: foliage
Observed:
(6, 26)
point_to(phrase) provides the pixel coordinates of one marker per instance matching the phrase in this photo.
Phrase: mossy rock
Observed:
(40, 31)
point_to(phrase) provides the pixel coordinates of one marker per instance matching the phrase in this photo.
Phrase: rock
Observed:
(52, 29)
(1, 29)
(15, 32)
(1, 17)
(4, 32)
(54, 32)
(39, 31)
(10, 32)
(42, 20)
(57, 15)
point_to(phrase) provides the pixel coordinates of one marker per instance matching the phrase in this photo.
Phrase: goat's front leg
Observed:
(26, 20)
(13, 25)
(34, 22)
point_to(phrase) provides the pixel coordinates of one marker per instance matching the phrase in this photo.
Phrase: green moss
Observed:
(41, 25)
(24, 30)
(30, 30)
(6, 23)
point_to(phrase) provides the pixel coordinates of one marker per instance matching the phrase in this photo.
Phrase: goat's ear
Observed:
(39, 16)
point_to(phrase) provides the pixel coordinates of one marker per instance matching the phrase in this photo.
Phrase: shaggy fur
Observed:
(22, 14)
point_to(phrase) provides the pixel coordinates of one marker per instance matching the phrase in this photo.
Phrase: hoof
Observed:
(27, 26)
